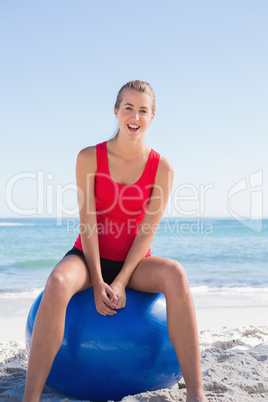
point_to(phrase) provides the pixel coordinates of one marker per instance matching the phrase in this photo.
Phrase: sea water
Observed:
(226, 261)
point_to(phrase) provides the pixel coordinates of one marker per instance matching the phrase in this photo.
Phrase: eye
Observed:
(128, 108)
(143, 111)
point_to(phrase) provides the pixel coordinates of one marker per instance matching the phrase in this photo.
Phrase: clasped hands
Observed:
(109, 298)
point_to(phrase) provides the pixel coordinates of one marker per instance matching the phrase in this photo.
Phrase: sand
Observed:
(234, 358)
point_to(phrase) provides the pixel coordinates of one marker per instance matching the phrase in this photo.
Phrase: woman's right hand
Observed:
(103, 294)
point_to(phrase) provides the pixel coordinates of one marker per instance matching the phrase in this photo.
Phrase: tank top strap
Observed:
(150, 168)
(102, 159)
(153, 163)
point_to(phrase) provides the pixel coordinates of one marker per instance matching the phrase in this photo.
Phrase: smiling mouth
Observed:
(133, 127)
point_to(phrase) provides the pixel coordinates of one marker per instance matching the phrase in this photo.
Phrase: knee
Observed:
(57, 288)
(175, 278)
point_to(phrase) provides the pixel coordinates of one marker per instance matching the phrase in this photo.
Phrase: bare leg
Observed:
(155, 274)
(68, 277)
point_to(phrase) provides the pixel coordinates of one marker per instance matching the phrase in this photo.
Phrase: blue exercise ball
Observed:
(107, 358)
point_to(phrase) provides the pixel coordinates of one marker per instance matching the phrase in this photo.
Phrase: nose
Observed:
(136, 114)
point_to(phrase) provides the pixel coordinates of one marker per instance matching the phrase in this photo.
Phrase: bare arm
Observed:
(148, 227)
(85, 176)
(86, 167)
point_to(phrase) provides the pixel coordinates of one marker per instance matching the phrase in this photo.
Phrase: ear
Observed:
(153, 114)
(115, 112)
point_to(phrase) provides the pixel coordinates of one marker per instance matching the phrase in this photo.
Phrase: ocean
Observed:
(226, 261)
(227, 266)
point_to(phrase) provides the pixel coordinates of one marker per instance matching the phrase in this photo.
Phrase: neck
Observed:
(129, 149)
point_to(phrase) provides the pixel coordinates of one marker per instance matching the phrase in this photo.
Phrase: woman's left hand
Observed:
(119, 290)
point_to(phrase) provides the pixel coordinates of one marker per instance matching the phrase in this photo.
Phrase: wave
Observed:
(16, 224)
(34, 263)
(228, 290)
(10, 294)
(244, 296)
(204, 296)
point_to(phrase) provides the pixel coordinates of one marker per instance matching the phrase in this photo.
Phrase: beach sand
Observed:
(234, 358)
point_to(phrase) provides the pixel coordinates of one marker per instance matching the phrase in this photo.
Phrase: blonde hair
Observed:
(136, 85)
(140, 86)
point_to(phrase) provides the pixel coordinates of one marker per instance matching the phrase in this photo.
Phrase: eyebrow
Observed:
(142, 107)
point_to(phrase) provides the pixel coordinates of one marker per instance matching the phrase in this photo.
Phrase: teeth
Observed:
(132, 126)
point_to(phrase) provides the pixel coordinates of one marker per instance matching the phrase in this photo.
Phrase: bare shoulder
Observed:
(165, 165)
(87, 159)
(165, 173)
(87, 152)
(164, 168)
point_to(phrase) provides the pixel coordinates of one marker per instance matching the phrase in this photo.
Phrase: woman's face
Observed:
(134, 113)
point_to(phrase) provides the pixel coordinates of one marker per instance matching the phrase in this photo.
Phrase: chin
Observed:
(132, 136)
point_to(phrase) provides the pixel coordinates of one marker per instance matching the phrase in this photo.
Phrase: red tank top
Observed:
(120, 208)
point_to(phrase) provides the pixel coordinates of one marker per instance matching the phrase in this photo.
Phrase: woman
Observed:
(123, 187)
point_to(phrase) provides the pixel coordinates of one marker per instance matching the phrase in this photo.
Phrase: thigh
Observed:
(150, 274)
(71, 273)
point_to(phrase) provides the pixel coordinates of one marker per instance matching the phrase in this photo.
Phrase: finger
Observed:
(109, 308)
(120, 303)
(109, 302)
(102, 307)
(116, 302)
(111, 293)
(106, 311)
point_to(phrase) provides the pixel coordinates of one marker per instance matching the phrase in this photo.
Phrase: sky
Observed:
(63, 62)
